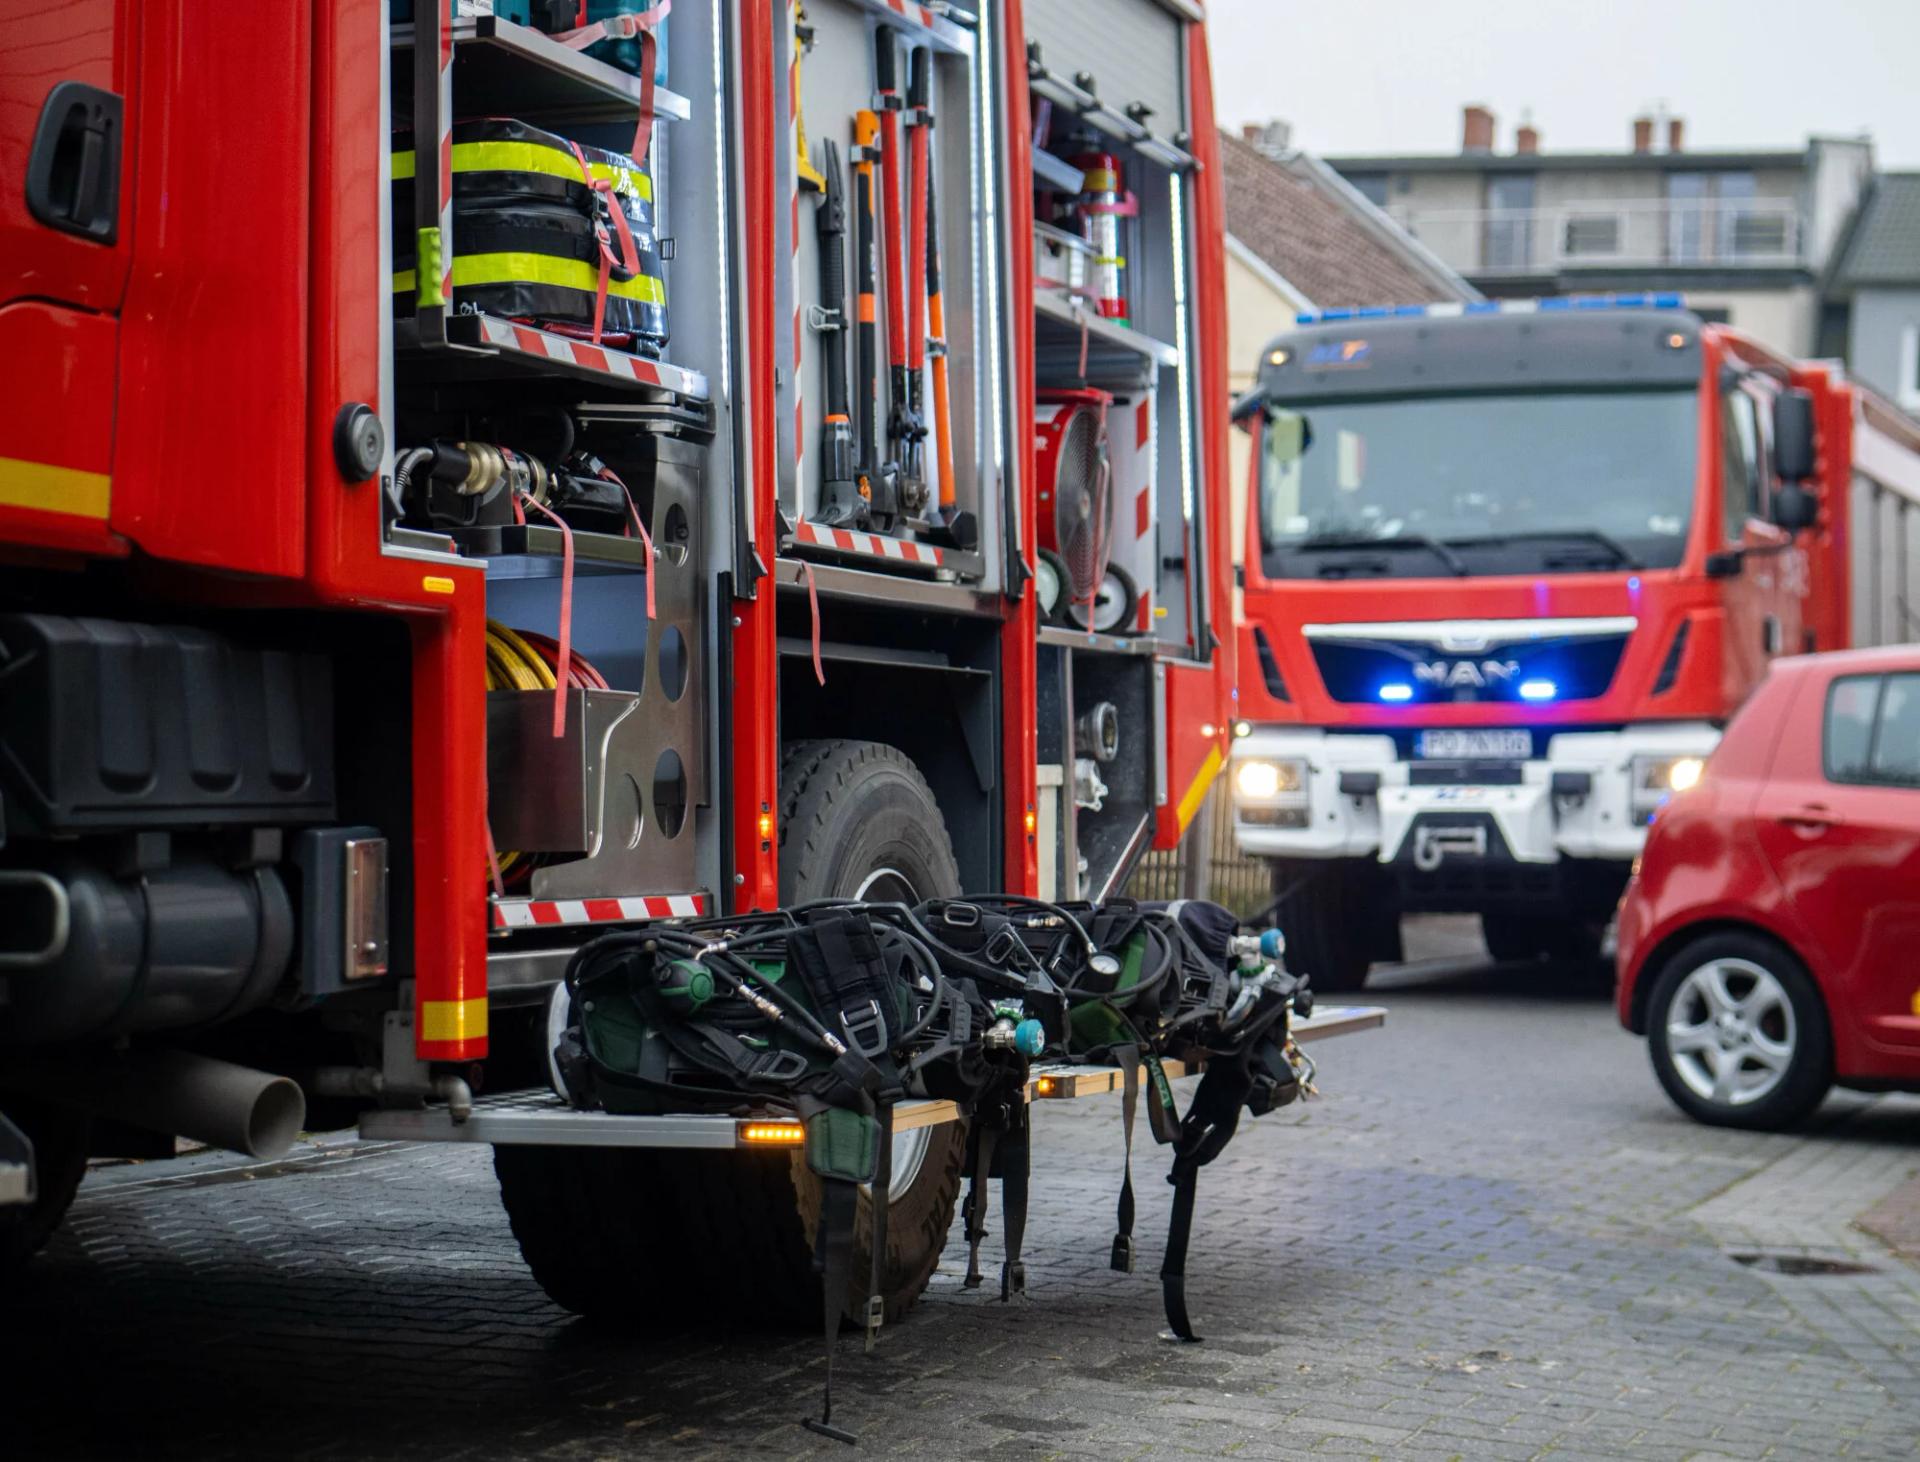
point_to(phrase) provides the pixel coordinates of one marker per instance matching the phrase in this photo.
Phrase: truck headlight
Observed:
(1656, 778)
(1261, 781)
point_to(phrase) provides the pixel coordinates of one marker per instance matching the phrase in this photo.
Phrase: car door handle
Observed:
(1813, 818)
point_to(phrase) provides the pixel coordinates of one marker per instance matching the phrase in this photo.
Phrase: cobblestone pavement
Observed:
(1492, 1237)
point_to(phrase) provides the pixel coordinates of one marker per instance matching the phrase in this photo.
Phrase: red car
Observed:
(1769, 942)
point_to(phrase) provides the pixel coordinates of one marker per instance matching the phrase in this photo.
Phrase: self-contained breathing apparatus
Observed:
(836, 1011)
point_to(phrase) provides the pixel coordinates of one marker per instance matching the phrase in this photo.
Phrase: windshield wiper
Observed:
(1621, 554)
(1334, 541)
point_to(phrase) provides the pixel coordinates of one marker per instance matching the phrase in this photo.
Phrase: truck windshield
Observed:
(1425, 487)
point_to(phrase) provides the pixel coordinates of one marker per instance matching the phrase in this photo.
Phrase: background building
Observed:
(1873, 291)
(1747, 235)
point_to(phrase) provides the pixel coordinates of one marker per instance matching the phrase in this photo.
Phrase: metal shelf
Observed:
(486, 346)
(1115, 352)
(540, 1118)
(1071, 97)
(523, 72)
(536, 551)
(1066, 637)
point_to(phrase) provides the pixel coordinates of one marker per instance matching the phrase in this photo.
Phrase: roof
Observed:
(1550, 162)
(1312, 229)
(1883, 244)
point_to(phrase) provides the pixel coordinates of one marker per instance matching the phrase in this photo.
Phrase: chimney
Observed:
(1643, 134)
(1275, 138)
(1526, 141)
(1476, 129)
(1676, 135)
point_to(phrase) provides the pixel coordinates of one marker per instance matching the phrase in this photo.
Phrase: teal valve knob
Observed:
(1273, 944)
(1029, 1037)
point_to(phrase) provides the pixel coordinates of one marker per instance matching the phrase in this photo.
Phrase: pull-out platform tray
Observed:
(538, 1118)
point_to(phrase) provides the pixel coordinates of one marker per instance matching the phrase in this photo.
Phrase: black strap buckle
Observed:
(866, 1028)
(776, 1066)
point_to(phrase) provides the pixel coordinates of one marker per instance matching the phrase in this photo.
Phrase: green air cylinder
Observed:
(687, 983)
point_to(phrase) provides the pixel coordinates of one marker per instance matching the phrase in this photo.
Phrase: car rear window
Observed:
(1872, 730)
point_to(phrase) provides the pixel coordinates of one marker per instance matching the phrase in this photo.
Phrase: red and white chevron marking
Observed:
(550, 913)
(903, 550)
(912, 12)
(496, 331)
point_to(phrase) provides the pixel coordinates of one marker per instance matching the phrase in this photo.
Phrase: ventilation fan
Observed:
(1076, 508)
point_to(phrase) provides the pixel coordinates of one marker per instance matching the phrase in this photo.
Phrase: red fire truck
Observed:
(414, 570)
(1509, 569)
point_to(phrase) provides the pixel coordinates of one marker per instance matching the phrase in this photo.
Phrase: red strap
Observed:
(813, 606)
(566, 614)
(917, 250)
(639, 27)
(629, 256)
(646, 538)
(1076, 295)
(1127, 207)
(493, 865)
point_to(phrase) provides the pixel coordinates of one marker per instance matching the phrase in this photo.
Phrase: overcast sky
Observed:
(1391, 75)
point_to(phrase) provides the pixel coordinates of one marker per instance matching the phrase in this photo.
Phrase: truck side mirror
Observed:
(1794, 508)
(1793, 437)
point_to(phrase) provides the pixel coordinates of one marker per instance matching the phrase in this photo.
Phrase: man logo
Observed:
(1452, 674)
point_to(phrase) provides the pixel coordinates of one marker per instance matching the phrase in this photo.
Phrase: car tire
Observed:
(1329, 915)
(1738, 1033)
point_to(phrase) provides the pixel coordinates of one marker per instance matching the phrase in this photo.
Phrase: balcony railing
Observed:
(1751, 233)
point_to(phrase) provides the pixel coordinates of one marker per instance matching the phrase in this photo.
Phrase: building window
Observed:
(1910, 368)
(1508, 243)
(1591, 235)
(1716, 216)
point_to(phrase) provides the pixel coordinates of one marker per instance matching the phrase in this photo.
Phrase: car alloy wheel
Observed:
(1731, 1032)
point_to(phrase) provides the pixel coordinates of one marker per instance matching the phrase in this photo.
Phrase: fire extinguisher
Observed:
(1102, 203)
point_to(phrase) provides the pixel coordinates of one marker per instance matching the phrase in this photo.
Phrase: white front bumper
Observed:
(1537, 825)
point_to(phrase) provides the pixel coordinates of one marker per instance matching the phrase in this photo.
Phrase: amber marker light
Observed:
(773, 1134)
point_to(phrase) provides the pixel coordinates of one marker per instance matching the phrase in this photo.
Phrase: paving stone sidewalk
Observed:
(1493, 1237)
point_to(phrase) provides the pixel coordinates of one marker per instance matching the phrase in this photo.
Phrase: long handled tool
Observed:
(877, 483)
(946, 524)
(905, 430)
(841, 500)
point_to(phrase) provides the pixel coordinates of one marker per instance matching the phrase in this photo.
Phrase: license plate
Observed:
(1475, 745)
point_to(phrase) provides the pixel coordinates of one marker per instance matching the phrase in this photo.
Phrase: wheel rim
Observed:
(887, 886)
(891, 886)
(1731, 1033)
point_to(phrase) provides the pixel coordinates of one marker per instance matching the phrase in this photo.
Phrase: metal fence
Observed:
(1208, 863)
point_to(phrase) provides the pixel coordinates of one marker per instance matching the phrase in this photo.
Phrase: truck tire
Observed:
(628, 1237)
(1564, 938)
(60, 1146)
(1329, 915)
(857, 820)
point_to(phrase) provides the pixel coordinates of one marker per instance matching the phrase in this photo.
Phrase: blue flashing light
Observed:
(1396, 690)
(1538, 690)
(1633, 583)
(1551, 303)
